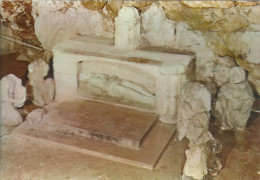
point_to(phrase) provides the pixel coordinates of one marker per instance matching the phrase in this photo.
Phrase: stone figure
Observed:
(13, 95)
(196, 163)
(195, 101)
(193, 122)
(36, 116)
(234, 102)
(43, 90)
(127, 28)
(102, 84)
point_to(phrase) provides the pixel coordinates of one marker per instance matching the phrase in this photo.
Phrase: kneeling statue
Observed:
(234, 102)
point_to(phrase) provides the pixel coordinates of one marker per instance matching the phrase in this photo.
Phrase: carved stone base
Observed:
(102, 122)
(153, 143)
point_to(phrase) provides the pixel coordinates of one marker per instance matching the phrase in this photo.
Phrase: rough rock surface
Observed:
(254, 78)
(160, 31)
(94, 5)
(58, 21)
(234, 102)
(208, 4)
(17, 15)
(222, 69)
(209, 29)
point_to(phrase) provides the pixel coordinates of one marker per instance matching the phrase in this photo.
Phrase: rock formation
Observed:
(210, 29)
(43, 90)
(13, 95)
(234, 102)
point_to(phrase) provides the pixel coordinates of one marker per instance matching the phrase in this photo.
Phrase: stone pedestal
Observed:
(146, 80)
(127, 28)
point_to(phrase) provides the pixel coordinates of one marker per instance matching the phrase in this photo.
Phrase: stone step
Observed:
(146, 157)
(109, 123)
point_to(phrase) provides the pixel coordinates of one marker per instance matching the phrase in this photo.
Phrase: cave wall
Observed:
(222, 34)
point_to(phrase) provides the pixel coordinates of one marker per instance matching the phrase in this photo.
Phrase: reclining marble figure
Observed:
(114, 87)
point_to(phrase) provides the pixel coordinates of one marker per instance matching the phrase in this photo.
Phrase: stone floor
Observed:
(27, 160)
(23, 159)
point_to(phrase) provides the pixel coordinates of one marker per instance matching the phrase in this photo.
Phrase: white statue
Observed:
(13, 95)
(196, 163)
(193, 122)
(195, 101)
(43, 90)
(36, 116)
(127, 29)
(101, 84)
(234, 102)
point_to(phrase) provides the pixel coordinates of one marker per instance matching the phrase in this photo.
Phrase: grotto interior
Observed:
(130, 90)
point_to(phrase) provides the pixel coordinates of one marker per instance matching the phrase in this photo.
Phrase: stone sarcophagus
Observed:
(93, 68)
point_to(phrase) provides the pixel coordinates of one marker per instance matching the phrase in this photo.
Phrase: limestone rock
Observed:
(208, 4)
(16, 17)
(57, 21)
(245, 44)
(234, 102)
(94, 5)
(222, 70)
(18, 13)
(196, 163)
(252, 39)
(254, 78)
(113, 7)
(229, 21)
(205, 65)
(246, 3)
(253, 73)
(138, 4)
(253, 17)
(237, 75)
(36, 116)
(158, 30)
